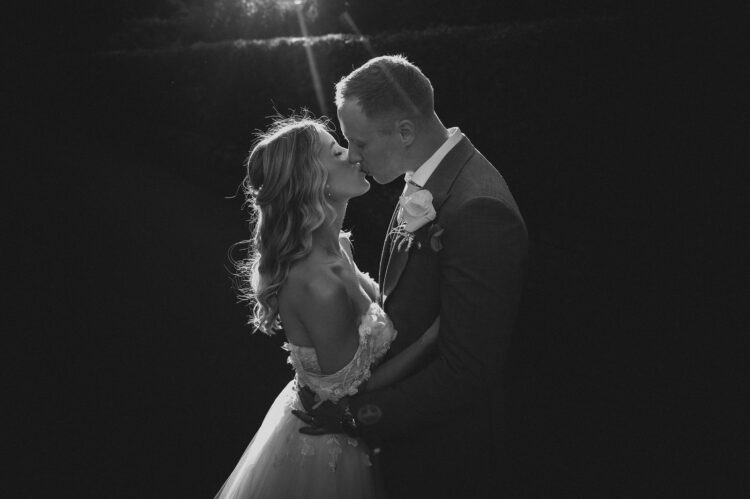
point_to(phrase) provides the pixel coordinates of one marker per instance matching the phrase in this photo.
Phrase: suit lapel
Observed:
(442, 179)
(439, 184)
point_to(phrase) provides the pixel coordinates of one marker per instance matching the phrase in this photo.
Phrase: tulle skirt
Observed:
(281, 463)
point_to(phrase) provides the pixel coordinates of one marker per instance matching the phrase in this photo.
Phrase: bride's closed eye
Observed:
(336, 149)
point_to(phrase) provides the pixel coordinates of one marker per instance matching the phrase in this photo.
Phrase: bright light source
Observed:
(289, 3)
(252, 6)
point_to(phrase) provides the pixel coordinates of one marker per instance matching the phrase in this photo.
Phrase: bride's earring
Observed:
(328, 192)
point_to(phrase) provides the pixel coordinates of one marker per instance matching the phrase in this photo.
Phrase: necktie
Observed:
(410, 188)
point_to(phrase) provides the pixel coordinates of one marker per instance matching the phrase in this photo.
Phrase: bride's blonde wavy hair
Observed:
(285, 186)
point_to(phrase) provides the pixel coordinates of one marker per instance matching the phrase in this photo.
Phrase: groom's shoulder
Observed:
(479, 178)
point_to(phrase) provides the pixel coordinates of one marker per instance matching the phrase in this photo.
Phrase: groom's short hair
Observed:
(388, 84)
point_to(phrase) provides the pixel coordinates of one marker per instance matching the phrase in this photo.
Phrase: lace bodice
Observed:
(376, 333)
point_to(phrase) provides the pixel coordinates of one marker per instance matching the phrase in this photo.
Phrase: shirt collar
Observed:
(423, 173)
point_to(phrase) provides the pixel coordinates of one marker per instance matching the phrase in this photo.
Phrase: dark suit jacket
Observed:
(437, 427)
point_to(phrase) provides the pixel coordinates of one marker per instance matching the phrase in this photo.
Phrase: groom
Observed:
(456, 249)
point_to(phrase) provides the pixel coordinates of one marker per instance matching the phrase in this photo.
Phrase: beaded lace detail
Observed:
(376, 333)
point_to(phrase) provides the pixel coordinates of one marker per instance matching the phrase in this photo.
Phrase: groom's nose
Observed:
(354, 156)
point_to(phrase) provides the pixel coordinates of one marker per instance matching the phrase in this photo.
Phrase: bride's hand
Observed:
(430, 336)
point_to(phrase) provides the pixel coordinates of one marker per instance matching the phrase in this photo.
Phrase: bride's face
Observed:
(345, 180)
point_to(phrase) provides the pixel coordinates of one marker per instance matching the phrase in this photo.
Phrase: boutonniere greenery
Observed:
(415, 210)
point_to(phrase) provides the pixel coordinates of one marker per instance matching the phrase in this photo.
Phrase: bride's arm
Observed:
(396, 368)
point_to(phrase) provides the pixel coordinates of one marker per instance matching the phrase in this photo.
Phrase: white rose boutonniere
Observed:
(415, 210)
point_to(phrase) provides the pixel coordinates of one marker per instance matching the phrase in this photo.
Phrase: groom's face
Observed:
(372, 142)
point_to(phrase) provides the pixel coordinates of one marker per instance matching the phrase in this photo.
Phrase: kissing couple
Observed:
(392, 395)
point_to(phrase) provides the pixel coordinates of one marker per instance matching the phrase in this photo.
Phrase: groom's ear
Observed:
(406, 129)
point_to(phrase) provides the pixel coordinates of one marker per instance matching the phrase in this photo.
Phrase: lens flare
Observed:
(311, 62)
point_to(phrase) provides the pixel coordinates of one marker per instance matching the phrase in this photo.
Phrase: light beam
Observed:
(347, 19)
(317, 85)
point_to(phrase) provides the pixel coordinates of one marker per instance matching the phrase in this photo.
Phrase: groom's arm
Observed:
(482, 264)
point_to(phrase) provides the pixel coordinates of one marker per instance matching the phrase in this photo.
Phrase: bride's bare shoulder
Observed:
(309, 280)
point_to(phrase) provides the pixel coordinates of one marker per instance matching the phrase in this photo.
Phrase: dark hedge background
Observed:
(132, 372)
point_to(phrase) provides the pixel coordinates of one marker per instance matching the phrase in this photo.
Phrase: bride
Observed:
(301, 274)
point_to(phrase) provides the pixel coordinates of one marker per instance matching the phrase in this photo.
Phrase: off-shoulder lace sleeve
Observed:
(375, 336)
(337, 385)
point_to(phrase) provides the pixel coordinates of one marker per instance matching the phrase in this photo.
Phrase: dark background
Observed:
(621, 131)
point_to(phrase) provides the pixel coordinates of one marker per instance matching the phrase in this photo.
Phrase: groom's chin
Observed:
(383, 180)
(376, 179)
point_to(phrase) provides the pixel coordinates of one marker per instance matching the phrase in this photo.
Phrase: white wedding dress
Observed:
(281, 463)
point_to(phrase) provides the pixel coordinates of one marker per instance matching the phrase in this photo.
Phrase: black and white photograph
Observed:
(376, 249)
